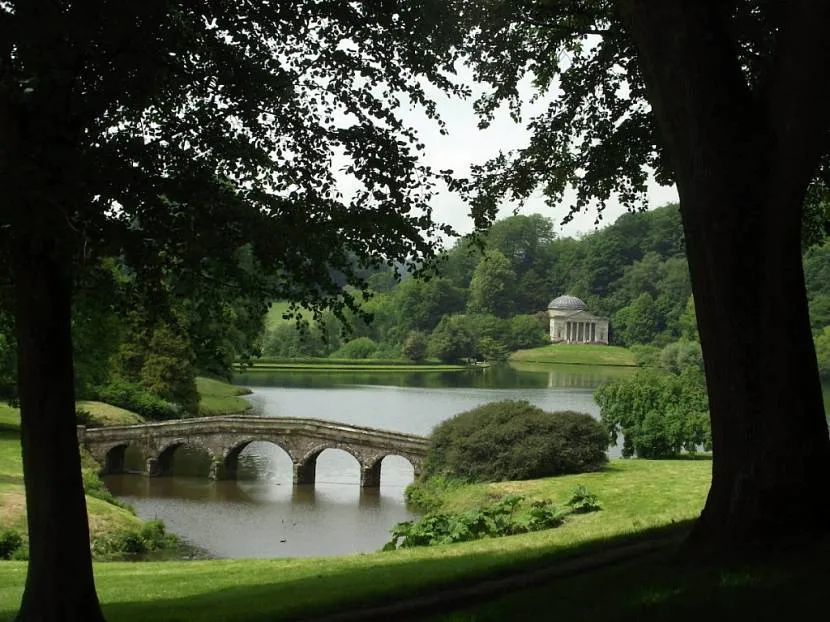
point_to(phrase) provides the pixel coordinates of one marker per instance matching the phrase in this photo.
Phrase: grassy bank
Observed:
(576, 354)
(336, 365)
(634, 496)
(105, 519)
(221, 398)
(101, 414)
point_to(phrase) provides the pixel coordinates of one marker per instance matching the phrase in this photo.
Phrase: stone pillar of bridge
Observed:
(370, 475)
(220, 471)
(305, 473)
(152, 467)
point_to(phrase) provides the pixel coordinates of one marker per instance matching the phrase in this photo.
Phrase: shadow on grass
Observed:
(353, 588)
(662, 587)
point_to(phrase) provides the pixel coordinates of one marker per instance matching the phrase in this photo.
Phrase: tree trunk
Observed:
(770, 438)
(743, 155)
(59, 583)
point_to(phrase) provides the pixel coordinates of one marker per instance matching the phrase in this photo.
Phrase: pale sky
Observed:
(466, 144)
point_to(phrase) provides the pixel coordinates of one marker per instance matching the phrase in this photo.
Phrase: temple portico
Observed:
(571, 323)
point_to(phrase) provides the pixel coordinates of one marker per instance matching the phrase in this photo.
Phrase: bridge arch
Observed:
(305, 469)
(114, 458)
(230, 462)
(162, 464)
(372, 473)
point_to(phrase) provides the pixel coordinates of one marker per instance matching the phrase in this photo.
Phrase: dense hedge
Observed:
(513, 440)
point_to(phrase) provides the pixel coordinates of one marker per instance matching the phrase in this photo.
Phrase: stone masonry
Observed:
(223, 438)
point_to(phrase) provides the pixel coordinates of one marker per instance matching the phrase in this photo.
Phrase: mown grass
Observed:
(657, 493)
(576, 354)
(103, 414)
(221, 398)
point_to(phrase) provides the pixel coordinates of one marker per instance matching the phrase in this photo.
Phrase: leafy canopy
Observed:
(175, 135)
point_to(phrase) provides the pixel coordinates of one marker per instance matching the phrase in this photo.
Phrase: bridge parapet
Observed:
(223, 438)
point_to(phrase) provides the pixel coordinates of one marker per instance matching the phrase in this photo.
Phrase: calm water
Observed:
(263, 515)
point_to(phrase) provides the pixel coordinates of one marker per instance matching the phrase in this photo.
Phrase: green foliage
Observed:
(680, 356)
(421, 304)
(415, 346)
(452, 340)
(131, 544)
(688, 321)
(137, 399)
(10, 542)
(427, 493)
(442, 528)
(583, 501)
(167, 369)
(639, 322)
(493, 286)
(513, 440)
(544, 515)
(527, 332)
(822, 343)
(360, 348)
(501, 518)
(658, 414)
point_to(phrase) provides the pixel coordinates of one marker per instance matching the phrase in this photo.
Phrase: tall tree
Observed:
(172, 135)
(729, 100)
(493, 287)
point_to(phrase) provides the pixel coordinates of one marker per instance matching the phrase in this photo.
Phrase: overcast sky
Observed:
(466, 144)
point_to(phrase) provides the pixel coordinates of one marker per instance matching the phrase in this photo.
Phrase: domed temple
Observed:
(571, 323)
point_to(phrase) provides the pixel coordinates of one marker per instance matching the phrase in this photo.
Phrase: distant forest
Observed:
(490, 296)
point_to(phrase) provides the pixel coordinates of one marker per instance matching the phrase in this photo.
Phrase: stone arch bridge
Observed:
(223, 438)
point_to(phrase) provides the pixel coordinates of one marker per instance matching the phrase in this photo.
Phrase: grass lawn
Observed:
(576, 354)
(634, 495)
(221, 398)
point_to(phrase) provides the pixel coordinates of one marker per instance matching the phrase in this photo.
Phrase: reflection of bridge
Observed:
(223, 438)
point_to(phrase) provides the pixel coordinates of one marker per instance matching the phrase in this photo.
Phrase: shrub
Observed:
(583, 501)
(360, 348)
(137, 399)
(415, 346)
(133, 543)
(514, 440)
(545, 515)
(10, 542)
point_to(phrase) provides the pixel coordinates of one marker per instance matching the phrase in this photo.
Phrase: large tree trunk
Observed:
(770, 438)
(743, 156)
(59, 583)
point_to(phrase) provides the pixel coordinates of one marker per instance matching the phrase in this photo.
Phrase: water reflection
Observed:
(495, 377)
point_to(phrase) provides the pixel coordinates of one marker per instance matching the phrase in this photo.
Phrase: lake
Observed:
(264, 515)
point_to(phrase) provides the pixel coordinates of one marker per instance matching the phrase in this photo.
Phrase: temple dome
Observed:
(567, 303)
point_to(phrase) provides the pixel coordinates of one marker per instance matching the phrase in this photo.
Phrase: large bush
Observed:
(360, 348)
(514, 440)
